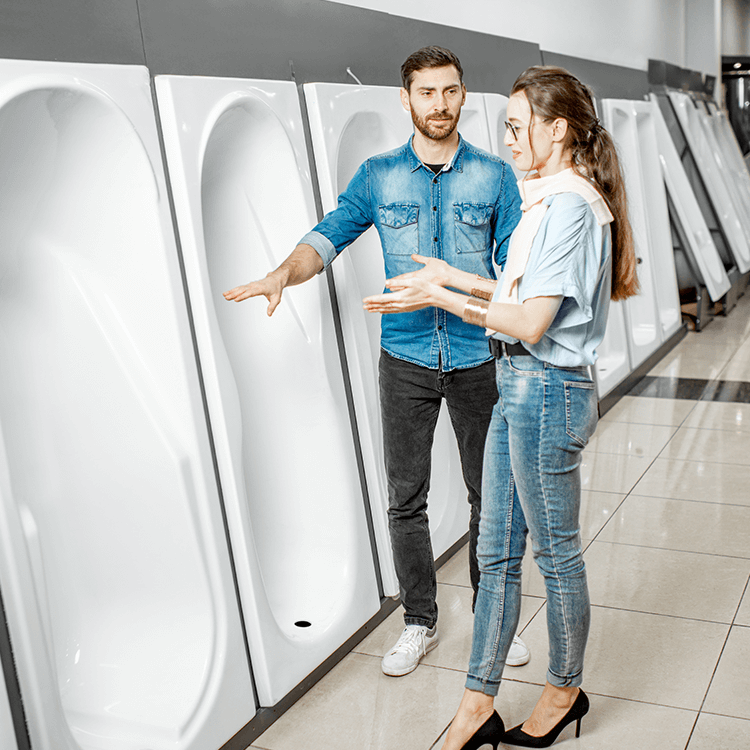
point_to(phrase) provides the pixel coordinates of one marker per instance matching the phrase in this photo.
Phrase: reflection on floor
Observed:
(666, 524)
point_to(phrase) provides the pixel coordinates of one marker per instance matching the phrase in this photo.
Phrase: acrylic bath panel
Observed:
(719, 189)
(703, 253)
(654, 315)
(113, 558)
(274, 386)
(349, 124)
(613, 362)
(722, 137)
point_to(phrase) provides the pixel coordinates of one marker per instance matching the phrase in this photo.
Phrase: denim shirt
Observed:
(463, 215)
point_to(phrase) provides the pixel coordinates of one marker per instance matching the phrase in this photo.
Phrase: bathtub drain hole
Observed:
(302, 624)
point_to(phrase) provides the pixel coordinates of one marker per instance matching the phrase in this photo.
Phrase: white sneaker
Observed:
(518, 654)
(412, 645)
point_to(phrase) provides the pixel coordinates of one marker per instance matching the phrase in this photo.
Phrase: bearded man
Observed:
(436, 196)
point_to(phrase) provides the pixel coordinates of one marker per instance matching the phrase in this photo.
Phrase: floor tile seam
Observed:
(713, 429)
(678, 549)
(692, 730)
(725, 716)
(739, 606)
(610, 696)
(716, 429)
(716, 668)
(703, 461)
(667, 549)
(618, 453)
(611, 516)
(687, 499)
(457, 585)
(683, 618)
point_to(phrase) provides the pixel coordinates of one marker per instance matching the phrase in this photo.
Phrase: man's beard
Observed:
(428, 130)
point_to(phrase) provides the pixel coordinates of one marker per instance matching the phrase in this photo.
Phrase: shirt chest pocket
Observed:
(473, 222)
(399, 228)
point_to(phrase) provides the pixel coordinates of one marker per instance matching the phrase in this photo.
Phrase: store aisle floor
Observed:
(666, 528)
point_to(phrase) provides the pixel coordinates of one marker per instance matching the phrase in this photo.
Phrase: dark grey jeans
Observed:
(410, 398)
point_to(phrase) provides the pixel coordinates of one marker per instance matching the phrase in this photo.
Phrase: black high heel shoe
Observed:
(490, 733)
(577, 711)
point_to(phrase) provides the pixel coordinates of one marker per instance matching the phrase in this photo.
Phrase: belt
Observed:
(498, 348)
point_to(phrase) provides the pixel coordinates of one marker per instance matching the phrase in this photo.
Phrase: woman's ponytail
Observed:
(553, 92)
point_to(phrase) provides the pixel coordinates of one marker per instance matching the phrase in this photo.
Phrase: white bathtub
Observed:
(274, 386)
(349, 124)
(654, 315)
(701, 248)
(113, 558)
(712, 170)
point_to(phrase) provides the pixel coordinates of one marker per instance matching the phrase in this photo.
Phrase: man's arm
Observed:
(338, 229)
(301, 265)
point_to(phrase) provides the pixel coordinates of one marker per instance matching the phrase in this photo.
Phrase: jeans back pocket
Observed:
(581, 411)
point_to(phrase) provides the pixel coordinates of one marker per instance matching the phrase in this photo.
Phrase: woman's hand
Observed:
(435, 271)
(409, 292)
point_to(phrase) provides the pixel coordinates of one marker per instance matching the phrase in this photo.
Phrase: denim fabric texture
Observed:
(464, 215)
(541, 422)
(410, 400)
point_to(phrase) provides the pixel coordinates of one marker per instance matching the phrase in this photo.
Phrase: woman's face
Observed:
(519, 138)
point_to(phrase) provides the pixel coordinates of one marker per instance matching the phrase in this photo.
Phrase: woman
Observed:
(571, 253)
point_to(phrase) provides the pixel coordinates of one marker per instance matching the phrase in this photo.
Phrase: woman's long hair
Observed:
(552, 92)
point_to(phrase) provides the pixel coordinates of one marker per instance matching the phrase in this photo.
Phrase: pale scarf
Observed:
(533, 192)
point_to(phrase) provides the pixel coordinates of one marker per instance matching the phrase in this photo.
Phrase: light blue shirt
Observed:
(571, 256)
(464, 215)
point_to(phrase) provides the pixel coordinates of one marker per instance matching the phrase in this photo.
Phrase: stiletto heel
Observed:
(577, 711)
(490, 733)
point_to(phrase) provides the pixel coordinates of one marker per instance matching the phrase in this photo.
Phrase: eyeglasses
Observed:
(512, 129)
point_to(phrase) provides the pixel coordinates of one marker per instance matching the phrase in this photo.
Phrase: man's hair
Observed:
(428, 57)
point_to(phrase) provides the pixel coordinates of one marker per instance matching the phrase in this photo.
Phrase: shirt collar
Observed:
(455, 163)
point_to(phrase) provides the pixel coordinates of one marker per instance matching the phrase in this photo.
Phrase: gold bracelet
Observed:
(475, 311)
(481, 293)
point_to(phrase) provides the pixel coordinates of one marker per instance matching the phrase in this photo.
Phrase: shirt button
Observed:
(440, 328)
(434, 239)
(434, 208)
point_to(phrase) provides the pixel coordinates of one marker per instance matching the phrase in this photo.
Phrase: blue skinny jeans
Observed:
(531, 485)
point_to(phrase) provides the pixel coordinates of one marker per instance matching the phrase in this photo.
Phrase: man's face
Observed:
(434, 101)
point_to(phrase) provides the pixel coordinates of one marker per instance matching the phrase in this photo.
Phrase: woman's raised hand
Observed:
(411, 294)
(434, 270)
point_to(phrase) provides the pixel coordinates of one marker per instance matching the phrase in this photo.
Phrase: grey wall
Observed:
(71, 31)
(249, 38)
(607, 81)
(258, 39)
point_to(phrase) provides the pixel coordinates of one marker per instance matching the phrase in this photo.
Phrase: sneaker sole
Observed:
(518, 662)
(402, 672)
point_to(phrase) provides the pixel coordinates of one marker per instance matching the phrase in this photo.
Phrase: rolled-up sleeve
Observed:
(340, 227)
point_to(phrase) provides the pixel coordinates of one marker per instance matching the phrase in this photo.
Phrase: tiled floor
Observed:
(666, 524)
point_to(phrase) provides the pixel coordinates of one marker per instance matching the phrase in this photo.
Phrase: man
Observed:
(436, 195)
